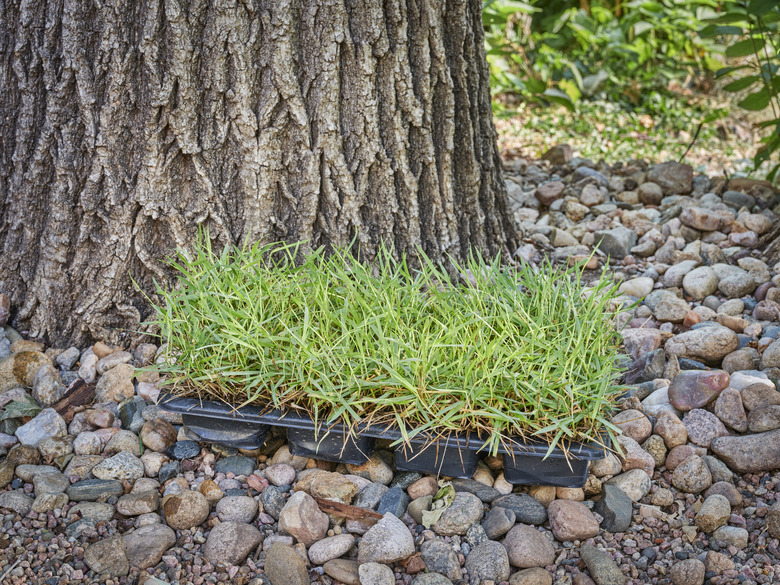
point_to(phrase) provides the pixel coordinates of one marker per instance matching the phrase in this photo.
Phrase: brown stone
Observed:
(729, 409)
(571, 520)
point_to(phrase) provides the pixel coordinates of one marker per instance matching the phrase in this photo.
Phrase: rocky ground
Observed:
(117, 491)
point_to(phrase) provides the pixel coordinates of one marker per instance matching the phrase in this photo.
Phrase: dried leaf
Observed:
(441, 501)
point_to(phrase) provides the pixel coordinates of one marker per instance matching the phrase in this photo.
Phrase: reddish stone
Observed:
(695, 388)
(691, 318)
(549, 192)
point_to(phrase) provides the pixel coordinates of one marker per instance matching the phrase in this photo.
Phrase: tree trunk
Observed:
(770, 244)
(126, 126)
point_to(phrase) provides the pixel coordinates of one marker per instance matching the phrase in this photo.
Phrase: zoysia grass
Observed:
(519, 353)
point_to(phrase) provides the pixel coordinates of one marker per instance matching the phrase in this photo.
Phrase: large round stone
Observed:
(185, 510)
(707, 344)
(527, 547)
(696, 388)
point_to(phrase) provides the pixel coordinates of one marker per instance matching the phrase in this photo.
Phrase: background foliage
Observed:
(675, 68)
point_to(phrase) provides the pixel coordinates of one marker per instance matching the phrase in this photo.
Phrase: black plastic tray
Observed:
(454, 455)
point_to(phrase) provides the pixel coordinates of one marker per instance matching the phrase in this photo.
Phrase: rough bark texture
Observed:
(124, 126)
(770, 244)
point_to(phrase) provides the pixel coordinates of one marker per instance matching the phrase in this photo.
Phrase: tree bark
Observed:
(770, 244)
(127, 126)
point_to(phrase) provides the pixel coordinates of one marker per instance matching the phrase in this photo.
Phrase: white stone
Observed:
(45, 425)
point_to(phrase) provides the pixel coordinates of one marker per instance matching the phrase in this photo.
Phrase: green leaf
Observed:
(559, 97)
(755, 101)
(761, 7)
(773, 173)
(20, 408)
(729, 17)
(742, 83)
(745, 48)
(726, 70)
(713, 30)
(643, 26)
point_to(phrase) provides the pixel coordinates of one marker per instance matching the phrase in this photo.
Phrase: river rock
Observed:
(47, 386)
(731, 535)
(687, 572)
(17, 501)
(549, 192)
(638, 287)
(465, 511)
(330, 486)
(633, 424)
(112, 360)
(729, 409)
(692, 475)
(699, 218)
(135, 504)
(771, 356)
(703, 426)
(20, 368)
(50, 483)
(439, 557)
(635, 483)
(674, 179)
(696, 388)
(107, 557)
(145, 546)
(615, 507)
(616, 242)
(527, 547)
(46, 424)
(571, 520)
(388, 541)
(700, 282)
(670, 308)
(634, 457)
(671, 429)
(376, 574)
(533, 576)
(759, 395)
(750, 453)
(764, 418)
(302, 518)
(280, 474)
(231, 542)
(93, 490)
(123, 465)
(116, 384)
(601, 566)
(374, 470)
(342, 570)
(330, 548)
(49, 502)
(158, 435)
(185, 510)
(713, 514)
(707, 344)
(498, 522)
(527, 510)
(488, 561)
(773, 521)
(237, 509)
(122, 440)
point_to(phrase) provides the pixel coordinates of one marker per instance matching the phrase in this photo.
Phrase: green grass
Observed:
(516, 352)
